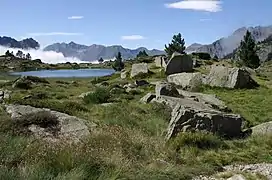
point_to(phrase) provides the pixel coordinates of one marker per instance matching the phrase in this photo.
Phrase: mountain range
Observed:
(227, 45)
(28, 43)
(94, 52)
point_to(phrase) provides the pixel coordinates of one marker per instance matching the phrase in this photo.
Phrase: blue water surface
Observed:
(67, 73)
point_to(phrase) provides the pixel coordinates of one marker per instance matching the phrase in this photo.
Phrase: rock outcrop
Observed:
(66, 127)
(179, 63)
(186, 81)
(139, 69)
(233, 78)
(4, 94)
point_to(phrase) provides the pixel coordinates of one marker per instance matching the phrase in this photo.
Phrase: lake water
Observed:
(67, 73)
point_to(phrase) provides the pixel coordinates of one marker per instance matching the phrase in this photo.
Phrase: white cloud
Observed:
(54, 34)
(45, 56)
(198, 5)
(75, 17)
(132, 37)
(203, 20)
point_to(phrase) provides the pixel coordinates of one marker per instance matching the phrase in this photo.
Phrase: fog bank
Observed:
(50, 57)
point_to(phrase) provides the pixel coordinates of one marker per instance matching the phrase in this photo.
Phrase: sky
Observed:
(130, 23)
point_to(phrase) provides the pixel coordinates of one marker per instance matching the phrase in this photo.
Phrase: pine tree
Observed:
(177, 45)
(118, 64)
(248, 52)
(28, 56)
(101, 60)
(142, 54)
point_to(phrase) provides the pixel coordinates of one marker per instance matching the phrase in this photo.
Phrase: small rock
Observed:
(141, 83)
(166, 89)
(84, 94)
(148, 98)
(262, 129)
(237, 177)
(124, 74)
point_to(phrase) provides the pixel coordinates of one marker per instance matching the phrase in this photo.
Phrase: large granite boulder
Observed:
(179, 63)
(139, 69)
(187, 81)
(47, 124)
(221, 76)
(193, 119)
(160, 61)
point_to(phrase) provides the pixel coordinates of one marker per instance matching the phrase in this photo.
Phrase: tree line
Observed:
(19, 54)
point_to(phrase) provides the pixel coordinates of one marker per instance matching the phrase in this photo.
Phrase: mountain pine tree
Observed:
(142, 54)
(101, 60)
(177, 45)
(118, 64)
(247, 52)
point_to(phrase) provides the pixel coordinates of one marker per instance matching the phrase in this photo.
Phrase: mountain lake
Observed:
(66, 73)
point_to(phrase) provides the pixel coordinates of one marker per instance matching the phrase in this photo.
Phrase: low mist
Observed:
(49, 57)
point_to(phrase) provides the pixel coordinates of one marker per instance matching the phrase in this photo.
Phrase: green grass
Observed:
(129, 141)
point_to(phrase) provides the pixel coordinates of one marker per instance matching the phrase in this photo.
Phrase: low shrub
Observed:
(99, 96)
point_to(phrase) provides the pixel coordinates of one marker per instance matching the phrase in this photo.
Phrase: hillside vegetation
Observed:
(128, 141)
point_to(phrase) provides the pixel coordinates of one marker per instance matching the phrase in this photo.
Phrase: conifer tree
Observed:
(118, 64)
(177, 45)
(247, 52)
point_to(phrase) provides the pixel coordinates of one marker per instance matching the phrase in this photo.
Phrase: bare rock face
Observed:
(137, 69)
(179, 63)
(225, 77)
(187, 81)
(65, 126)
(193, 119)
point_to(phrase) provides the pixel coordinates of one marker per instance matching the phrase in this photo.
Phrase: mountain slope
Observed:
(28, 43)
(94, 52)
(227, 45)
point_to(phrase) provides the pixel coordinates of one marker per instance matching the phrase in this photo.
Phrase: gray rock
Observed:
(141, 83)
(187, 81)
(70, 127)
(179, 63)
(166, 89)
(137, 69)
(221, 76)
(160, 61)
(147, 98)
(4, 94)
(262, 129)
(124, 74)
(194, 119)
(84, 94)
(237, 177)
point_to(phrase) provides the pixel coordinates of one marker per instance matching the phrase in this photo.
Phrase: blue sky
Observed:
(131, 23)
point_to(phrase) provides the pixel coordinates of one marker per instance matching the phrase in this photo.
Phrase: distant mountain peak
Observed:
(96, 51)
(28, 43)
(227, 45)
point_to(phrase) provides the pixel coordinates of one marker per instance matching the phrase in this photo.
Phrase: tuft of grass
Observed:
(43, 119)
(197, 139)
